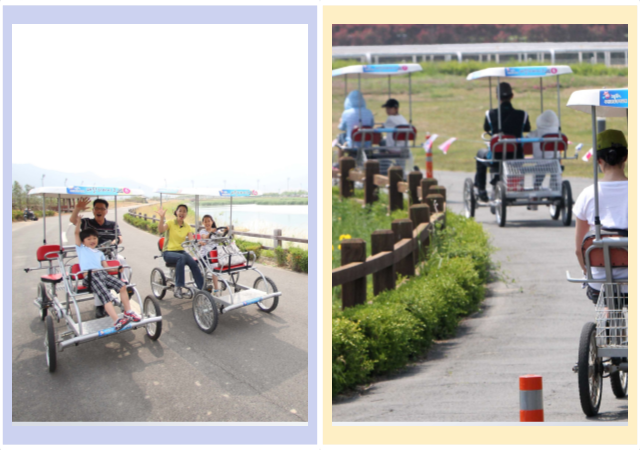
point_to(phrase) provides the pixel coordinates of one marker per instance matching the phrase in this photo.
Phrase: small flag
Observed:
(587, 155)
(579, 147)
(429, 142)
(569, 142)
(446, 144)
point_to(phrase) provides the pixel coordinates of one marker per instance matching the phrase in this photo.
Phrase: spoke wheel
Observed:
(50, 344)
(619, 382)
(501, 204)
(469, 199)
(43, 299)
(589, 371)
(205, 311)
(269, 304)
(554, 211)
(158, 283)
(151, 308)
(567, 203)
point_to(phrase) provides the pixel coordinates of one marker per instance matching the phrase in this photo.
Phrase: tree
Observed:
(27, 188)
(16, 195)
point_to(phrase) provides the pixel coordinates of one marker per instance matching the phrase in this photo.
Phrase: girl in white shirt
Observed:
(613, 201)
(209, 232)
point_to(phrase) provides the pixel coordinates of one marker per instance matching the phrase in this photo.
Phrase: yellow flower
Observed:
(339, 247)
(344, 236)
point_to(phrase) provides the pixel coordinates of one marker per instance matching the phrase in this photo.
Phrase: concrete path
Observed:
(252, 368)
(530, 323)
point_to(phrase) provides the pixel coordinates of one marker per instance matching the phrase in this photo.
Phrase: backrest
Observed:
(550, 146)
(619, 256)
(527, 148)
(497, 147)
(113, 263)
(365, 133)
(75, 269)
(214, 256)
(161, 243)
(44, 249)
(408, 135)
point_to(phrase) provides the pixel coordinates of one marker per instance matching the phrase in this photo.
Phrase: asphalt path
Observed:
(530, 323)
(252, 368)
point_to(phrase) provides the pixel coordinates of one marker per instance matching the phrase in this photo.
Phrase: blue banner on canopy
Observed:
(384, 68)
(530, 71)
(90, 191)
(616, 98)
(237, 193)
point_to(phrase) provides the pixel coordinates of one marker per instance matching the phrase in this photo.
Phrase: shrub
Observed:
(281, 256)
(247, 246)
(351, 365)
(298, 260)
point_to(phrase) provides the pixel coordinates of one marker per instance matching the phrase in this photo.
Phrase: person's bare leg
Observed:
(124, 298)
(108, 307)
(216, 285)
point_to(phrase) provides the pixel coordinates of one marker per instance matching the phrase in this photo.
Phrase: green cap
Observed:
(611, 139)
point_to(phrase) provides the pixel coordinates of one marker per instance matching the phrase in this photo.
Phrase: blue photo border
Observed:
(175, 434)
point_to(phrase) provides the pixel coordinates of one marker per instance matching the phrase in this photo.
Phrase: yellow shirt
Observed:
(175, 236)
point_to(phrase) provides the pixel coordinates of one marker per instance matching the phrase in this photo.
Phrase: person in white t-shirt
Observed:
(394, 118)
(613, 195)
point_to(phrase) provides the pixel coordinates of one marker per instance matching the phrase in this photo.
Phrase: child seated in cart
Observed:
(100, 282)
(209, 232)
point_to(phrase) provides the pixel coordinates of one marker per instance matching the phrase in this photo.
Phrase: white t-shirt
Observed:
(614, 214)
(392, 122)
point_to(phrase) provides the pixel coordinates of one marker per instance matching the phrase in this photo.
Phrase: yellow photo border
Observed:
(477, 435)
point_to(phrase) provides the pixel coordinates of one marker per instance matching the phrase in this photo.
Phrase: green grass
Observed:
(445, 103)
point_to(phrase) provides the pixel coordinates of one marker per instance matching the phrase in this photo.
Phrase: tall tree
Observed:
(27, 188)
(16, 195)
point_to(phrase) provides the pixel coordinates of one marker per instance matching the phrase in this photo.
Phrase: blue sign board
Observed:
(530, 71)
(616, 98)
(385, 68)
(90, 191)
(237, 193)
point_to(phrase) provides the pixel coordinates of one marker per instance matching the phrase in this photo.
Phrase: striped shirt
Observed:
(106, 231)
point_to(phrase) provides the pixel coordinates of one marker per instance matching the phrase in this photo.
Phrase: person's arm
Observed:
(82, 204)
(487, 124)
(582, 228)
(77, 232)
(118, 240)
(162, 227)
(527, 125)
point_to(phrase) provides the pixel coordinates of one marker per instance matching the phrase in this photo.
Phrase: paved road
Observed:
(252, 368)
(530, 323)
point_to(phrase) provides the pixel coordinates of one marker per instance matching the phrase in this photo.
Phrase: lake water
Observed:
(293, 220)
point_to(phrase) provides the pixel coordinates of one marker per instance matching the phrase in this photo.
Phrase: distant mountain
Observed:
(30, 174)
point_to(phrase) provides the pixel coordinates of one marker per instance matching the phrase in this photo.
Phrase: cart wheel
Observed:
(501, 204)
(469, 199)
(554, 211)
(589, 371)
(50, 344)
(205, 311)
(157, 280)
(567, 203)
(269, 304)
(619, 381)
(43, 299)
(151, 308)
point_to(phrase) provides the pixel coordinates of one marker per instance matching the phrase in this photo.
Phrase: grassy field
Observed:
(444, 103)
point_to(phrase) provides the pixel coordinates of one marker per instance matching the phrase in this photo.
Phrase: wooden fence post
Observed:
(414, 182)
(425, 184)
(439, 190)
(396, 200)
(355, 292)
(277, 242)
(403, 229)
(420, 213)
(371, 168)
(145, 216)
(346, 186)
(383, 241)
(435, 202)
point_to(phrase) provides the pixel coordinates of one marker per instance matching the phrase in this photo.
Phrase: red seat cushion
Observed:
(44, 249)
(619, 256)
(498, 147)
(365, 133)
(237, 266)
(75, 270)
(213, 254)
(550, 146)
(161, 243)
(53, 278)
(408, 135)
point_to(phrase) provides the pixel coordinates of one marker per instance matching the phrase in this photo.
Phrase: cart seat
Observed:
(404, 133)
(45, 252)
(550, 146)
(232, 268)
(497, 147)
(619, 256)
(53, 278)
(365, 133)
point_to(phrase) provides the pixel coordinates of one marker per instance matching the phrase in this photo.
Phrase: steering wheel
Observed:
(221, 229)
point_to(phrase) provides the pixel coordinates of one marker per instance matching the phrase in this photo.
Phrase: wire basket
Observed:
(533, 175)
(612, 317)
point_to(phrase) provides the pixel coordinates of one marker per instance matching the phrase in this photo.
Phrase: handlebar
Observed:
(482, 136)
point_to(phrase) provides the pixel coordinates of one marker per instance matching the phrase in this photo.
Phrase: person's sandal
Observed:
(177, 293)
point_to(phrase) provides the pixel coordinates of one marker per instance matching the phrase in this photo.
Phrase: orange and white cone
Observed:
(531, 406)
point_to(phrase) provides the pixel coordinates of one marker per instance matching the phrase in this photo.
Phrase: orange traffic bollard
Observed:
(531, 407)
(428, 158)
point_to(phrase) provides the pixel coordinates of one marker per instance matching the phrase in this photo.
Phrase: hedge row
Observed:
(295, 259)
(399, 325)
(18, 215)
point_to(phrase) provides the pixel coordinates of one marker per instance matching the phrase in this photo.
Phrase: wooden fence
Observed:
(394, 251)
(276, 237)
(418, 189)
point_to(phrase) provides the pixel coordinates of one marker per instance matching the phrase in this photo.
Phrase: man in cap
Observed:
(512, 122)
(394, 118)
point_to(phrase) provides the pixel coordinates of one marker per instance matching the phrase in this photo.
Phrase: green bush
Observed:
(298, 260)
(351, 365)
(248, 246)
(268, 253)
(281, 256)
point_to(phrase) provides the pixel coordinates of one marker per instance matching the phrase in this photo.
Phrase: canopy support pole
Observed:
(559, 114)
(197, 211)
(389, 87)
(410, 109)
(490, 95)
(346, 92)
(231, 215)
(59, 221)
(541, 98)
(359, 107)
(594, 138)
(44, 220)
(499, 112)
(115, 206)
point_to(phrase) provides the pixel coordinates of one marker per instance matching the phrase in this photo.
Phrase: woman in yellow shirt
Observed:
(177, 230)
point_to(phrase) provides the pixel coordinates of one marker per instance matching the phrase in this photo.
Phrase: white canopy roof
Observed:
(84, 191)
(213, 192)
(608, 102)
(378, 69)
(520, 72)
